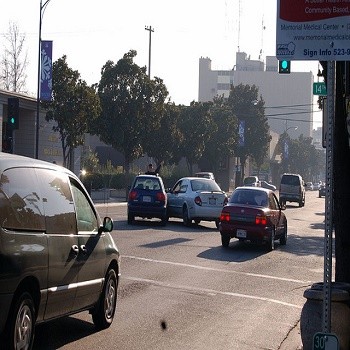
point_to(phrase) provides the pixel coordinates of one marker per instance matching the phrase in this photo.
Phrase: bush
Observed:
(105, 178)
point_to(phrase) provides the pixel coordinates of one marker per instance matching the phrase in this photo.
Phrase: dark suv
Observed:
(147, 199)
(57, 256)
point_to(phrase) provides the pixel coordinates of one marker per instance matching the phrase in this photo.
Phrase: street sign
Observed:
(325, 341)
(320, 89)
(313, 30)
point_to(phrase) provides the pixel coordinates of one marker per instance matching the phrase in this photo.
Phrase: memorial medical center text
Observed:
(318, 32)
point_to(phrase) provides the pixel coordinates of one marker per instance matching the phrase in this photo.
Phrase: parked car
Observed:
(196, 199)
(322, 191)
(292, 189)
(206, 175)
(251, 181)
(309, 186)
(316, 186)
(267, 185)
(254, 215)
(147, 199)
(57, 256)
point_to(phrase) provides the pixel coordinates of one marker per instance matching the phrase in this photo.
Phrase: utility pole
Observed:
(150, 29)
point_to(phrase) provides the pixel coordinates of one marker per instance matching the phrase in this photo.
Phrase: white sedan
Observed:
(197, 199)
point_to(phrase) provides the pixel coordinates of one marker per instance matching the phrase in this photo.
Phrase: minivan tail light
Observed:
(260, 220)
(198, 200)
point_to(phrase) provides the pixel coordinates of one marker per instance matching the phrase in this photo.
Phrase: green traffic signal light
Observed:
(284, 67)
(13, 112)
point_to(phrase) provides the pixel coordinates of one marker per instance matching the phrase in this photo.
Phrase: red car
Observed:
(253, 214)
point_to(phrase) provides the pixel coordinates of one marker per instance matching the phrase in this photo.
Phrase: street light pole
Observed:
(150, 29)
(42, 8)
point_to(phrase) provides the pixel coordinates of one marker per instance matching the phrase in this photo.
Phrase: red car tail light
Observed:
(132, 195)
(225, 217)
(198, 200)
(260, 220)
(160, 196)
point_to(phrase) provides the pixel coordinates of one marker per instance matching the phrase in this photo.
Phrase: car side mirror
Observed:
(107, 225)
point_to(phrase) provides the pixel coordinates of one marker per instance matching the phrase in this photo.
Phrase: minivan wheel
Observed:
(19, 333)
(103, 313)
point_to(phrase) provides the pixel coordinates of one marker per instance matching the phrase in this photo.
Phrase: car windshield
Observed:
(249, 197)
(202, 185)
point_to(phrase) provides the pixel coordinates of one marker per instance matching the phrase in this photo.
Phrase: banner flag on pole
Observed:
(241, 131)
(46, 71)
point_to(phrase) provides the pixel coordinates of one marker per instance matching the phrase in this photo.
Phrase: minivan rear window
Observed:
(290, 180)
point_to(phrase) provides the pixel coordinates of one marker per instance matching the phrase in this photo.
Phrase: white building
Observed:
(288, 97)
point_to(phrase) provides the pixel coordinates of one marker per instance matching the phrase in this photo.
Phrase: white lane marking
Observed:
(217, 270)
(211, 292)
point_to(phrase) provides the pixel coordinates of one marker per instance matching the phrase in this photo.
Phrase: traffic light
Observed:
(13, 112)
(284, 67)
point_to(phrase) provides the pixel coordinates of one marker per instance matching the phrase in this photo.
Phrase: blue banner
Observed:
(286, 149)
(241, 128)
(46, 71)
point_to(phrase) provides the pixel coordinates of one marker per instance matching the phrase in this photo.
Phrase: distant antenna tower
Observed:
(262, 38)
(239, 22)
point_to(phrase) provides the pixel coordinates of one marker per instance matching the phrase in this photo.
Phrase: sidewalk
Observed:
(293, 339)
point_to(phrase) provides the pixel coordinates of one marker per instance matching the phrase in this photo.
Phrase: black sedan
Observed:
(253, 214)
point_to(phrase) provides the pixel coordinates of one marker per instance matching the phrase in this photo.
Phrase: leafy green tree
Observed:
(300, 156)
(165, 137)
(74, 107)
(255, 138)
(223, 140)
(197, 126)
(132, 107)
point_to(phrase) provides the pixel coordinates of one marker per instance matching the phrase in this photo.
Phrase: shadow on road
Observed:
(54, 335)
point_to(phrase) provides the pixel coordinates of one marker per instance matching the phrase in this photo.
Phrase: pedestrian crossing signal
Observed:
(284, 67)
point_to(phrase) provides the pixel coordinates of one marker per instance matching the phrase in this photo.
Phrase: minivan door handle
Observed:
(75, 249)
(83, 249)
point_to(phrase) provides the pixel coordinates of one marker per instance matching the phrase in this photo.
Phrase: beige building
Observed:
(288, 100)
(288, 97)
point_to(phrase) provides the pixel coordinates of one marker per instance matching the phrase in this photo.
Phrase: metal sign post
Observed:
(318, 30)
(327, 280)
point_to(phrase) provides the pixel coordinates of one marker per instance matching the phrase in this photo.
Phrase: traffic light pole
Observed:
(42, 9)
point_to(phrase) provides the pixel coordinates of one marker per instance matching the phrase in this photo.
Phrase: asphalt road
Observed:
(181, 290)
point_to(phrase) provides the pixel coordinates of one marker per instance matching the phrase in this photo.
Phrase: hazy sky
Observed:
(91, 32)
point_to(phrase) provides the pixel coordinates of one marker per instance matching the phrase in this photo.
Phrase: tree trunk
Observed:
(341, 171)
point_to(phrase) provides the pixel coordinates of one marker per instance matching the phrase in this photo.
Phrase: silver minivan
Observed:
(292, 189)
(57, 257)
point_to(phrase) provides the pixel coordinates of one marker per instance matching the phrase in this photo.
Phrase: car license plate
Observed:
(146, 199)
(241, 233)
(212, 201)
